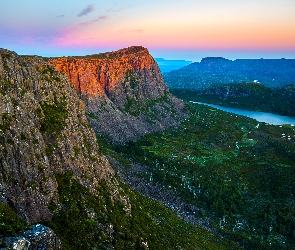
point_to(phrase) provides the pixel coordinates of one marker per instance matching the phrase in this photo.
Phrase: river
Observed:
(259, 116)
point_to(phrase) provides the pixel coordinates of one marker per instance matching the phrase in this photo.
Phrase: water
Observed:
(259, 116)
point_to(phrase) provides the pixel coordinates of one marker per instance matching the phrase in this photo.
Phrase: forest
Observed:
(239, 173)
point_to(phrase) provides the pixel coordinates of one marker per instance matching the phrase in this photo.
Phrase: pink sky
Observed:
(187, 29)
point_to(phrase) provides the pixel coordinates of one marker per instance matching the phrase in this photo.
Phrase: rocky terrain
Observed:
(44, 131)
(53, 172)
(124, 92)
(212, 71)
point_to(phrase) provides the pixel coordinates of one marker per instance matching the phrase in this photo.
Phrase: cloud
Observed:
(86, 11)
(60, 16)
(93, 21)
(130, 31)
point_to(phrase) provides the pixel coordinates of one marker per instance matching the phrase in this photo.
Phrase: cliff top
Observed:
(133, 50)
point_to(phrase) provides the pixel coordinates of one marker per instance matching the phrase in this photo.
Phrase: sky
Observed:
(170, 29)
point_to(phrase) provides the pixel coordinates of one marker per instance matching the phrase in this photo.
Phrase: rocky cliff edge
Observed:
(124, 91)
(43, 131)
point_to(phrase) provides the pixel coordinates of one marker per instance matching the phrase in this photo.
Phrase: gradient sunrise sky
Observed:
(183, 29)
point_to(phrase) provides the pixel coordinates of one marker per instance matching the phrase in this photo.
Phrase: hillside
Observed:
(249, 96)
(123, 91)
(213, 71)
(53, 172)
(229, 173)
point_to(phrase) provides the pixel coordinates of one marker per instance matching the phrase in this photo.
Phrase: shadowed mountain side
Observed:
(43, 132)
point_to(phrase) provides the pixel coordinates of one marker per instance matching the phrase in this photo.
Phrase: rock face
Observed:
(43, 130)
(39, 237)
(124, 91)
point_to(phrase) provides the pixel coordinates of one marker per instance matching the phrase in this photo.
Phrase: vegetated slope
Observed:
(124, 91)
(217, 70)
(250, 96)
(44, 130)
(238, 172)
(52, 172)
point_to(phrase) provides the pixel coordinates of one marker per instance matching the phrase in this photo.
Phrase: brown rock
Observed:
(43, 130)
(124, 91)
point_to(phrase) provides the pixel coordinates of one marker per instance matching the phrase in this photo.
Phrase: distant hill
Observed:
(169, 65)
(217, 70)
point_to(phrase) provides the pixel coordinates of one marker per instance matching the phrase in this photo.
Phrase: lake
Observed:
(259, 116)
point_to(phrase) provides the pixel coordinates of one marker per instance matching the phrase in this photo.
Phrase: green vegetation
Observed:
(250, 96)
(49, 73)
(6, 120)
(54, 117)
(239, 171)
(101, 222)
(148, 107)
(10, 222)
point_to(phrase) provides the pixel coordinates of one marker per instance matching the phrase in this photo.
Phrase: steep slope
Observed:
(217, 70)
(43, 131)
(52, 171)
(124, 91)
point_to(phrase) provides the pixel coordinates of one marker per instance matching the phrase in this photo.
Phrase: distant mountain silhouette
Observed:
(218, 70)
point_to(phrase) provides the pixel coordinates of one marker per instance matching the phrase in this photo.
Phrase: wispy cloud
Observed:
(59, 16)
(86, 11)
(67, 32)
(130, 31)
(93, 21)
(117, 10)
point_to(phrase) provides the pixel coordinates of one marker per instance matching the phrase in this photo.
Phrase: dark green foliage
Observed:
(50, 149)
(76, 150)
(82, 221)
(35, 141)
(216, 70)
(23, 136)
(250, 96)
(55, 114)
(242, 175)
(91, 115)
(10, 222)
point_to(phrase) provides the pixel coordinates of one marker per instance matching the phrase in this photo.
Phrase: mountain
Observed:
(169, 65)
(53, 172)
(44, 130)
(213, 71)
(124, 92)
(44, 133)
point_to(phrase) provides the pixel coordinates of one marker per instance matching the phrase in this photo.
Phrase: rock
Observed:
(41, 237)
(15, 243)
(43, 131)
(38, 238)
(124, 91)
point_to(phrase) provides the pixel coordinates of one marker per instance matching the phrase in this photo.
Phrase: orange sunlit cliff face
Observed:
(124, 92)
(97, 74)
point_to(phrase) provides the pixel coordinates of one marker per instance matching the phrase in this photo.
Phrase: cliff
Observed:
(124, 91)
(44, 131)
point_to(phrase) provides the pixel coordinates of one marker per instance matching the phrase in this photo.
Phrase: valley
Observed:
(235, 173)
(97, 149)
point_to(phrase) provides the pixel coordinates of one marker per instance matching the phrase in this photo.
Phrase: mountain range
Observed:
(213, 71)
